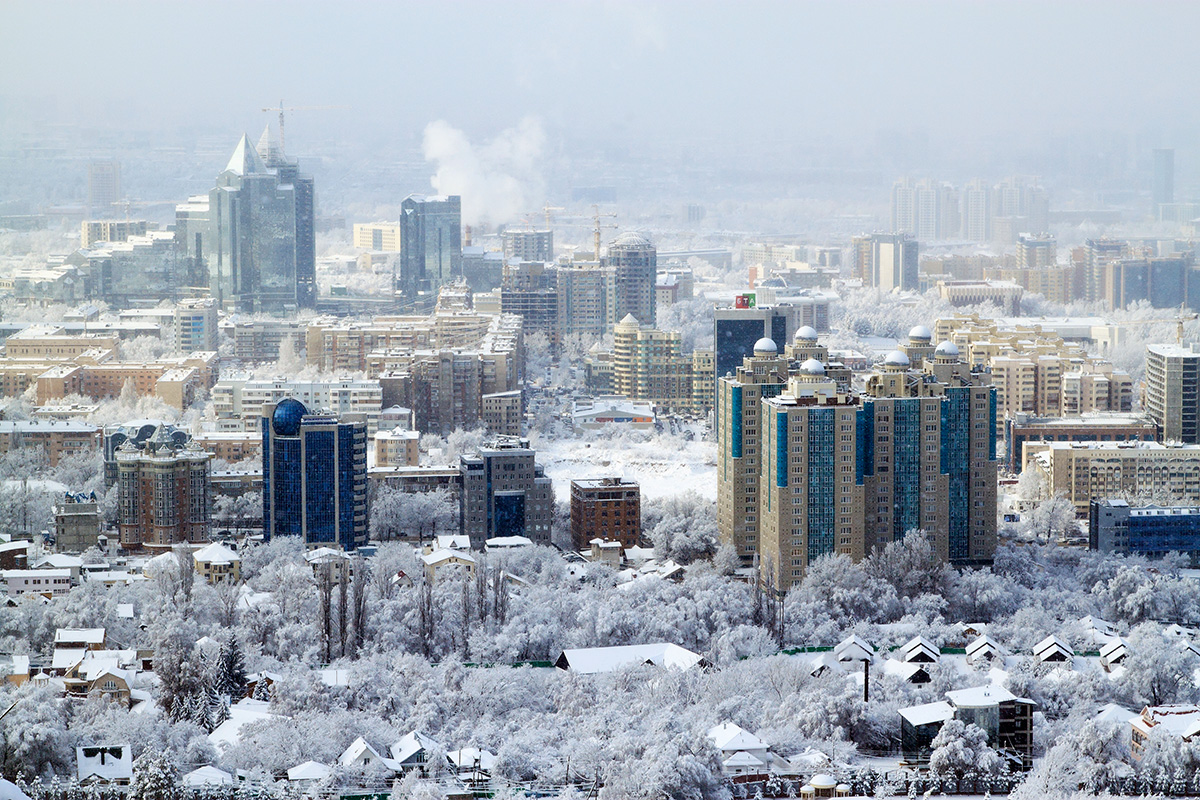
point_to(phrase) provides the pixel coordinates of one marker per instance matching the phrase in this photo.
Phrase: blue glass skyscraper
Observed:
(314, 476)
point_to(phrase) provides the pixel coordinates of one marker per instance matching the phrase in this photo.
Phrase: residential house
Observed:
(742, 753)
(216, 563)
(985, 649)
(46, 582)
(1053, 650)
(920, 650)
(308, 773)
(1181, 720)
(106, 765)
(1114, 654)
(412, 751)
(1005, 718)
(206, 776)
(360, 755)
(440, 561)
(592, 660)
(852, 648)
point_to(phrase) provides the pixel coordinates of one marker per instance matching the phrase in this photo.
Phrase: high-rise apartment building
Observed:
(253, 234)
(635, 269)
(1098, 254)
(505, 492)
(1019, 205)
(430, 244)
(314, 476)
(1164, 176)
(1172, 393)
(527, 245)
(196, 325)
(530, 290)
(977, 212)
(104, 187)
(162, 492)
(762, 373)
(93, 231)
(586, 293)
(1036, 251)
(812, 468)
(927, 210)
(606, 508)
(649, 364)
(894, 262)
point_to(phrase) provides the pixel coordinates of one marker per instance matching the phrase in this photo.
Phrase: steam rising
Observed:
(499, 181)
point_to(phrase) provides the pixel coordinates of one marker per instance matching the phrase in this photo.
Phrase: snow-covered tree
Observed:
(960, 750)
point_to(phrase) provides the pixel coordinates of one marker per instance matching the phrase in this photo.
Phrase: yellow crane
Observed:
(283, 108)
(596, 215)
(547, 209)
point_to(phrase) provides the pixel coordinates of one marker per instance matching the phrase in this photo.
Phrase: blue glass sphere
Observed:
(287, 416)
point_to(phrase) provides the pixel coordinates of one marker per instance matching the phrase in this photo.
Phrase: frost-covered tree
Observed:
(155, 777)
(960, 750)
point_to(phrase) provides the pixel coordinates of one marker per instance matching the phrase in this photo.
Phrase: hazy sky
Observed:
(623, 72)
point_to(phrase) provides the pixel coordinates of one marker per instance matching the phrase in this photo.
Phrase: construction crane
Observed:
(282, 109)
(547, 209)
(1178, 320)
(596, 215)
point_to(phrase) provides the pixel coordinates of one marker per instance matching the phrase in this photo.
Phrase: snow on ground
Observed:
(663, 465)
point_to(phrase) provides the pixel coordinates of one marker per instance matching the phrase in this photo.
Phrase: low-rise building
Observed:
(56, 438)
(76, 522)
(46, 582)
(606, 508)
(1111, 426)
(612, 410)
(1005, 718)
(1085, 470)
(397, 448)
(216, 563)
(1116, 526)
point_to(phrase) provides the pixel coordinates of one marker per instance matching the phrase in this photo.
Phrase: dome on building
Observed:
(947, 349)
(631, 239)
(812, 367)
(896, 359)
(287, 416)
(765, 346)
(921, 332)
(806, 334)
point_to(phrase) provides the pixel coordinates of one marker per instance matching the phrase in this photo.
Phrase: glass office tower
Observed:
(314, 476)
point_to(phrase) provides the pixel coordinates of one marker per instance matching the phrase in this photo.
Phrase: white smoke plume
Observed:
(500, 181)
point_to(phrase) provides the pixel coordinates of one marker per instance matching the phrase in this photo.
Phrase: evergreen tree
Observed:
(154, 777)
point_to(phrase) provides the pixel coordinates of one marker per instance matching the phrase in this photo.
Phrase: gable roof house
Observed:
(592, 660)
(104, 764)
(1053, 650)
(412, 750)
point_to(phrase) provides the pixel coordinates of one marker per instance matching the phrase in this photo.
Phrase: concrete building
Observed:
(505, 493)
(377, 236)
(762, 374)
(430, 245)
(110, 230)
(55, 438)
(529, 289)
(586, 298)
(258, 341)
(894, 262)
(163, 492)
(503, 412)
(397, 448)
(810, 496)
(813, 468)
(1105, 426)
(606, 508)
(1115, 526)
(634, 261)
(1086, 470)
(527, 245)
(240, 397)
(1038, 251)
(649, 365)
(76, 522)
(103, 186)
(195, 323)
(314, 476)
(1005, 294)
(1172, 391)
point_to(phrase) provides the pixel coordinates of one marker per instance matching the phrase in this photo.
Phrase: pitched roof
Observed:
(309, 771)
(410, 744)
(980, 696)
(591, 660)
(207, 776)
(928, 713)
(216, 553)
(729, 736)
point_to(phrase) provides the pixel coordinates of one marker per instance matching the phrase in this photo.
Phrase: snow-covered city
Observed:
(598, 401)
